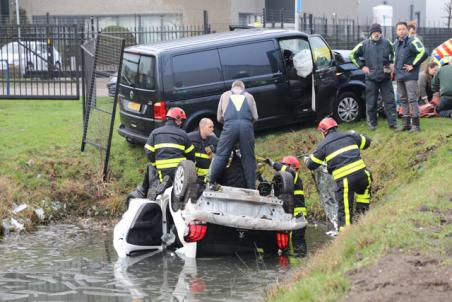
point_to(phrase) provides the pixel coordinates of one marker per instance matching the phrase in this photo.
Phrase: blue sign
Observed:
(298, 6)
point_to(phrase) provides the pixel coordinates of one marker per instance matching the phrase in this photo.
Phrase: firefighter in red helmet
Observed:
(292, 165)
(165, 148)
(341, 153)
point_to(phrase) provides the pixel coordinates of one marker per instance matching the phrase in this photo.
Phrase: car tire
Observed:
(283, 189)
(184, 178)
(348, 107)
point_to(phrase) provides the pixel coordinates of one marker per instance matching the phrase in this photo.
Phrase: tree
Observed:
(448, 10)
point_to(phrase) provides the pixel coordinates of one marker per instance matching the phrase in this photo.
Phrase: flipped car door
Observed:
(325, 80)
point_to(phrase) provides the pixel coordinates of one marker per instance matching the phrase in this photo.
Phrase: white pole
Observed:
(297, 14)
(18, 18)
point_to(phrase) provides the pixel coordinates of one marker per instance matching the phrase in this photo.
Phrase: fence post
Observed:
(282, 17)
(206, 22)
(311, 28)
(91, 21)
(49, 47)
(264, 17)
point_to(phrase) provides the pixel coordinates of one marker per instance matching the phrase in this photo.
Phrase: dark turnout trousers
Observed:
(238, 128)
(373, 89)
(355, 184)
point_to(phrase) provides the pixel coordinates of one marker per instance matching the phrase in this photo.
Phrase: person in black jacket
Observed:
(205, 142)
(340, 151)
(375, 56)
(409, 54)
(165, 148)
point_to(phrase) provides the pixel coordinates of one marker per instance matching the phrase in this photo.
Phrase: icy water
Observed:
(70, 263)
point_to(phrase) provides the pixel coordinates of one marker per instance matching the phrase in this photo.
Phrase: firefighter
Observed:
(237, 111)
(205, 142)
(292, 165)
(165, 148)
(233, 175)
(340, 151)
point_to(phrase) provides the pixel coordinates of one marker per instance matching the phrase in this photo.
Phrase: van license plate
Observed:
(134, 106)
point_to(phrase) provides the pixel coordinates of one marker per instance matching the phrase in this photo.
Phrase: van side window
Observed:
(249, 60)
(321, 52)
(196, 69)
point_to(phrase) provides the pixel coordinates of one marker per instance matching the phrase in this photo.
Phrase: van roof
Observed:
(213, 39)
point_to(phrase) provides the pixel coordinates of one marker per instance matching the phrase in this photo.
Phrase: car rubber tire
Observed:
(348, 108)
(184, 177)
(283, 189)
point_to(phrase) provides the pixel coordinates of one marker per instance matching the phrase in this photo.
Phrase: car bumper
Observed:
(136, 137)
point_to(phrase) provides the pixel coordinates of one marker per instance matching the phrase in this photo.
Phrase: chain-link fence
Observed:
(100, 54)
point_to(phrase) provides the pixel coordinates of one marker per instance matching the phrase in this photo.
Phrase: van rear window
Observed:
(138, 71)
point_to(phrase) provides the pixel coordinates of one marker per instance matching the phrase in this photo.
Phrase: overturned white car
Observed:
(197, 221)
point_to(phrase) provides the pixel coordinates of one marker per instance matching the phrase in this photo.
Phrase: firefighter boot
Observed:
(406, 123)
(138, 193)
(416, 125)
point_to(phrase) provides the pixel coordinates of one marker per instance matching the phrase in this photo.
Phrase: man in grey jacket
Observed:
(409, 54)
(375, 56)
(237, 111)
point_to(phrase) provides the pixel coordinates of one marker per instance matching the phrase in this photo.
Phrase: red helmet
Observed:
(291, 161)
(176, 113)
(326, 124)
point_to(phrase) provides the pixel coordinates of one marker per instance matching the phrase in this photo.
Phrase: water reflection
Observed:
(69, 263)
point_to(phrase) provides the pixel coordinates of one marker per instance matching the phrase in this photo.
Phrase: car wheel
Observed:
(348, 108)
(184, 178)
(283, 189)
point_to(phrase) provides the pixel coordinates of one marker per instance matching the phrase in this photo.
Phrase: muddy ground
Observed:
(400, 276)
(405, 276)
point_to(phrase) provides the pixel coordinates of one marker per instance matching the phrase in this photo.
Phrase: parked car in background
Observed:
(28, 56)
(293, 77)
(111, 84)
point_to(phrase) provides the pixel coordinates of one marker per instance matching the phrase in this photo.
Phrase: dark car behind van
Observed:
(192, 73)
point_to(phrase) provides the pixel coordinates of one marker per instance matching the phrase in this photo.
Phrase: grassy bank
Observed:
(41, 164)
(412, 213)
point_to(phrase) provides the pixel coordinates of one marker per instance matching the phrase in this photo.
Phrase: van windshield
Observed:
(138, 71)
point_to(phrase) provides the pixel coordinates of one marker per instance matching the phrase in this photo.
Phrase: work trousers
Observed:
(241, 132)
(407, 91)
(356, 184)
(373, 89)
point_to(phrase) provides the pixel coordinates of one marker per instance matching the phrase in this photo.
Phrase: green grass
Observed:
(410, 171)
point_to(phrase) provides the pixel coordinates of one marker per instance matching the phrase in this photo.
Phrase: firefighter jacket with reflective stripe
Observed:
(375, 55)
(167, 146)
(340, 151)
(202, 158)
(298, 192)
(408, 51)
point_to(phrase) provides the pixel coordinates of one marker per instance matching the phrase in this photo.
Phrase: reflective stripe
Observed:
(295, 178)
(202, 155)
(420, 50)
(298, 192)
(363, 142)
(365, 197)
(316, 160)
(149, 147)
(299, 210)
(189, 149)
(346, 204)
(283, 168)
(168, 163)
(348, 169)
(202, 172)
(352, 54)
(169, 145)
(341, 150)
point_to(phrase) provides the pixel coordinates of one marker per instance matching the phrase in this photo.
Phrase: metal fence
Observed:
(99, 111)
(39, 62)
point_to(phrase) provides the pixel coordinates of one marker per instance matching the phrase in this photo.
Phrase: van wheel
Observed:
(348, 108)
(283, 189)
(184, 178)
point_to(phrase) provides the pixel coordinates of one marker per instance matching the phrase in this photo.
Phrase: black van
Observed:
(192, 73)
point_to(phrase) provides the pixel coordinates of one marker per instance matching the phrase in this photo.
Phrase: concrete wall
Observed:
(221, 12)
(341, 9)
